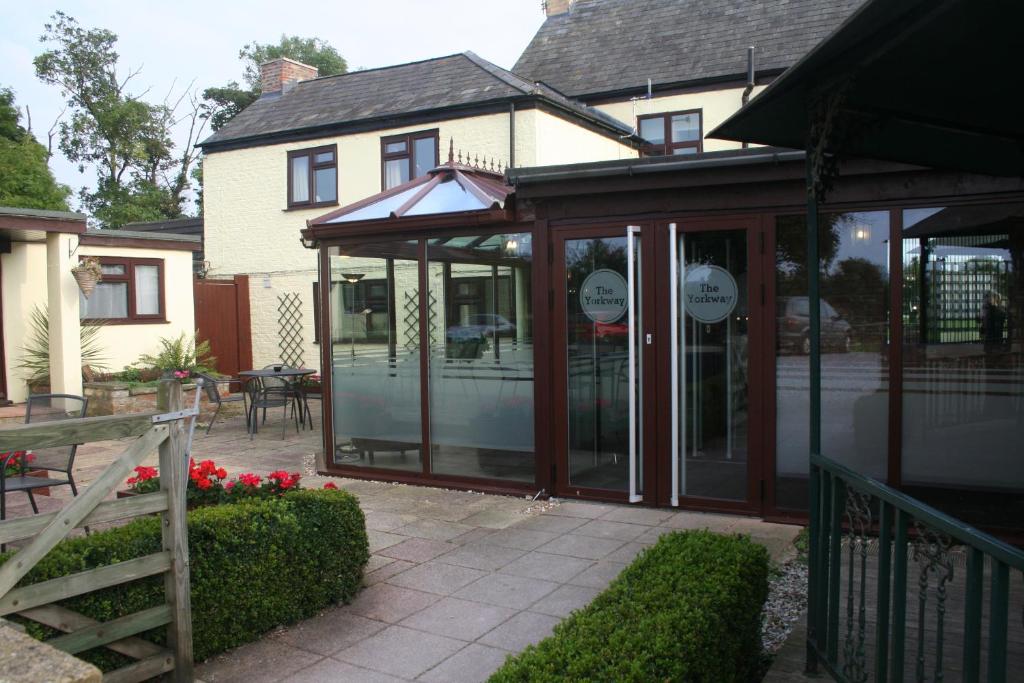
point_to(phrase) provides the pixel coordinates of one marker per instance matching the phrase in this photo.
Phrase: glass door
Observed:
(715, 316)
(600, 350)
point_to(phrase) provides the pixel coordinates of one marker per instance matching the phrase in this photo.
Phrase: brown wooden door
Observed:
(222, 317)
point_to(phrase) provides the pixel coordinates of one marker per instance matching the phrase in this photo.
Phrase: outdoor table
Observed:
(293, 376)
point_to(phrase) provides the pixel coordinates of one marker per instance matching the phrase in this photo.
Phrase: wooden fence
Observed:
(164, 431)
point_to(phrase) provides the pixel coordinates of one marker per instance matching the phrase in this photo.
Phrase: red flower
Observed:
(250, 479)
(204, 484)
(228, 486)
(222, 473)
(331, 485)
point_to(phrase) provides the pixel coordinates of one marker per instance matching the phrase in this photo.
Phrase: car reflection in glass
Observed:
(481, 325)
(794, 326)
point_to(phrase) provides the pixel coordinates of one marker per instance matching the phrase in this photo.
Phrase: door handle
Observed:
(650, 338)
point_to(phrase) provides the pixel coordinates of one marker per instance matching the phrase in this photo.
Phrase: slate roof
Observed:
(605, 46)
(387, 93)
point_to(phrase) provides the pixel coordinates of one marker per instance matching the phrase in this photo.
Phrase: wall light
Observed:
(861, 233)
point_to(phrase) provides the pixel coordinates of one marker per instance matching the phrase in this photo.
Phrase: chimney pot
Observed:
(555, 7)
(278, 75)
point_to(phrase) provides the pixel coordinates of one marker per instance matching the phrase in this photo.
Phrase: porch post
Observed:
(62, 310)
(814, 579)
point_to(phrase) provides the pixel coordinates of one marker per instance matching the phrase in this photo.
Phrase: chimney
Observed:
(556, 7)
(278, 75)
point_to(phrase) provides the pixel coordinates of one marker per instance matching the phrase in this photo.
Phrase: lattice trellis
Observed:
(411, 315)
(289, 325)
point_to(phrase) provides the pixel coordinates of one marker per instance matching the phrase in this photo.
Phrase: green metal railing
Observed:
(871, 642)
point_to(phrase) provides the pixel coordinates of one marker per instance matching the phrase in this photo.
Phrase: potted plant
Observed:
(87, 274)
(16, 464)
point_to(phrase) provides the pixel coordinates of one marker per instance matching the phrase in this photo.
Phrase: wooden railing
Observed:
(861, 625)
(163, 431)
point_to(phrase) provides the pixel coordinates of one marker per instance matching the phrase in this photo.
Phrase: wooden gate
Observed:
(222, 317)
(38, 601)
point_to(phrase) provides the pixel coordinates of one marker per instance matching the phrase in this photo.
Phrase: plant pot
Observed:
(86, 279)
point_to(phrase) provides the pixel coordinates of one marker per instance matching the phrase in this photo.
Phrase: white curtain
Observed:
(147, 290)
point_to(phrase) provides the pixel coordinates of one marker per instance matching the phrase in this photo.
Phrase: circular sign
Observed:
(603, 296)
(709, 293)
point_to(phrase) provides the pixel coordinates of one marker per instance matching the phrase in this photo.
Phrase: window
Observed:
(404, 157)
(131, 291)
(673, 133)
(313, 177)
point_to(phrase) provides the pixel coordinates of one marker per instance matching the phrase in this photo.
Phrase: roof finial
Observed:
(451, 150)
(460, 156)
(476, 162)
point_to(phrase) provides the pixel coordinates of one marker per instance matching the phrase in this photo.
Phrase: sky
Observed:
(187, 41)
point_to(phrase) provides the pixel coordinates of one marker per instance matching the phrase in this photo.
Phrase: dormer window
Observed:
(313, 177)
(408, 156)
(676, 132)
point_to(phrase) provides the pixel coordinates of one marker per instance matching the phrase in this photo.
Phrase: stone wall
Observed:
(119, 398)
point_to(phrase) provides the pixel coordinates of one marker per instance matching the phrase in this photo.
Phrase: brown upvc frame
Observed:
(426, 475)
(409, 154)
(134, 318)
(668, 147)
(310, 153)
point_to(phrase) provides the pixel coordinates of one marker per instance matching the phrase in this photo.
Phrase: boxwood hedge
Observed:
(687, 609)
(255, 565)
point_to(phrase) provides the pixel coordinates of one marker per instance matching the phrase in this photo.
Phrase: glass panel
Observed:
(714, 364)
(300, 179)
(963, 367)
(394, 147)
(597, 329)
(108, 300)
(147, 290)
(323, 157)
(424, 155)
(685, 127)
(684, 150)
(854, 347)
(112, 269)
(653, 130)
(396, 172)
(326, 180)
(375, 349)
(481, 371)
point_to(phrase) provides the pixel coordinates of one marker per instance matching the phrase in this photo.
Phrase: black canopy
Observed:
(930, 82)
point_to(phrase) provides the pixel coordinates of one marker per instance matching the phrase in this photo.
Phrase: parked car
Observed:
(482, 325)
(793, 326)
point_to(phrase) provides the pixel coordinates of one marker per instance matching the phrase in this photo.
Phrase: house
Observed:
(577, 94)
(145, 293)
(638, 329)
(177, 226)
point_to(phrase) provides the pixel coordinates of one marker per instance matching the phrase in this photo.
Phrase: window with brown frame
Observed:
(404, 157)
(313, 177)
(677, 132)
(131, 291)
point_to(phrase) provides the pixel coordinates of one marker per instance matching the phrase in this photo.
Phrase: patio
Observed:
(456, 580)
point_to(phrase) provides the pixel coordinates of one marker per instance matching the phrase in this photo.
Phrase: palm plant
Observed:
(35, 358)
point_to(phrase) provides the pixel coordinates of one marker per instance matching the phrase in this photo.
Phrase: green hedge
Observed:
(254, 565)
(687, 609)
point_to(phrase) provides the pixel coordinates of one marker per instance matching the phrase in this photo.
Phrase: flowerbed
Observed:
(255, 565)
(687, 609)
(207, 485)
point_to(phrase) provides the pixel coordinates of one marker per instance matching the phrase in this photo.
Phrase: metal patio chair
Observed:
(39, 408)
(270, 392)
(212, 390)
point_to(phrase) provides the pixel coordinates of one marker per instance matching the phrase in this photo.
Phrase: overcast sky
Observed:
(178, 42)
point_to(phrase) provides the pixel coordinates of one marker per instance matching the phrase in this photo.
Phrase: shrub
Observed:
(35, 359)
(184, 354)
(687, 609)
(255, 565)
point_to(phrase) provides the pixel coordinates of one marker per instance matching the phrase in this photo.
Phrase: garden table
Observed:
(292, 376)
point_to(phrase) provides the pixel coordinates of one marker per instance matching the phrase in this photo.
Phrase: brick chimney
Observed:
(555, 7)
(278, 75)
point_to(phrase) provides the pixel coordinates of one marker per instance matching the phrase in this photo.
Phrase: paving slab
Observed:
(619, 531)
(638, 515)
(434, 529)
(585, 547)
(332, 631)
(437, 577)
(473, 664)
(384, 602)
(460, 619)
(387, 571)
(525, 628)
(576, 509)
(520, 539)
(481, 556)
(599, 574)
(264, 661)
(564, 600)
(417, 549)
(518, 592)
(536, 565)
(401, 651)
(333, 671)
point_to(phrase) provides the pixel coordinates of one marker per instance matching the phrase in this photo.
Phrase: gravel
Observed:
(787, 602)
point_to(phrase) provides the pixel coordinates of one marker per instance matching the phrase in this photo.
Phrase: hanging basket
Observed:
(87, 274)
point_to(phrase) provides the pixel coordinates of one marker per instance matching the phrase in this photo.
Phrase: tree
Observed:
(124, 138)
(225, 102)
(25, 177)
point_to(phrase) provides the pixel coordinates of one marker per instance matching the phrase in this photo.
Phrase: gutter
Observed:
(531, 178)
